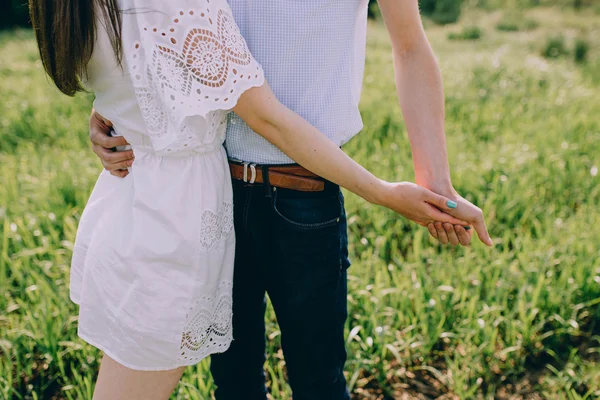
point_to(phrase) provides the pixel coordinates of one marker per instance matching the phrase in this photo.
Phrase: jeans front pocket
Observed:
(310, 211)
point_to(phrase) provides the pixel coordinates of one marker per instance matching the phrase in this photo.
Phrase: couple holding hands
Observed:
(182, 237)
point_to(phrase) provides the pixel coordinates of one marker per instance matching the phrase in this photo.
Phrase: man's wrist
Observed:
(440, 186)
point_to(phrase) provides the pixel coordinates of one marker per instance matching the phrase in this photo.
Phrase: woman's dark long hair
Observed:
(66, 32)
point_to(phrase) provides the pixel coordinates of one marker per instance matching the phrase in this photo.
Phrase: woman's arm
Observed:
(260, 109)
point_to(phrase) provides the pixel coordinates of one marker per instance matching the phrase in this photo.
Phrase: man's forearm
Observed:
(421, 94)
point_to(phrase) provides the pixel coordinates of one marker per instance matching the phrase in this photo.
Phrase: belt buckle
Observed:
(252, 170)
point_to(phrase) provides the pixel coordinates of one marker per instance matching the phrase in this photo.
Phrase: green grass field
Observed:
(521, 320)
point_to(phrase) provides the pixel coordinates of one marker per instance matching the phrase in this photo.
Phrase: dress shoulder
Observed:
(186, 59)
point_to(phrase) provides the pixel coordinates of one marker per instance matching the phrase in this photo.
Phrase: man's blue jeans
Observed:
(294, 247)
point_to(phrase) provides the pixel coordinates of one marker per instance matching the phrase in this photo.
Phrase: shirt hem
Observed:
(286, 160)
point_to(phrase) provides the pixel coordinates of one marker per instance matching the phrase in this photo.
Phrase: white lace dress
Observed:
(152, 264)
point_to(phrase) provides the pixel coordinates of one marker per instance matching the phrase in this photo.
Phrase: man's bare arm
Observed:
(421, 95)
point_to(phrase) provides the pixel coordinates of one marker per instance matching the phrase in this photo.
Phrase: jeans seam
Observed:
(246, 210)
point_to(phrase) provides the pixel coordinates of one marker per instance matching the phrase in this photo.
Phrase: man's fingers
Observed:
(437, 215)
(441, 233)
(452, 236)
(104, 120)
(109, 157)
(121, 173)
(463, 235)
(114, 157)
(98, 150)
(97, 118)
(100, 132)
(432, 230)
(100, 138)
(115, 141)
(114, 160)
(121, 165)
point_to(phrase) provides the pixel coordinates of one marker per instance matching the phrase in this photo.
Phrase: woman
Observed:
(156, 296)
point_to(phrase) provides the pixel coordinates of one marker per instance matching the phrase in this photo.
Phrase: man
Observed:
(292, 244)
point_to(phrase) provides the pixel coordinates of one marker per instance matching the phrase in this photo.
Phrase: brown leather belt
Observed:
(292, 177)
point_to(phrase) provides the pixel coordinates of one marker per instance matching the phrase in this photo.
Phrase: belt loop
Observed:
(245, 179)
(266, 183)
(253, 169)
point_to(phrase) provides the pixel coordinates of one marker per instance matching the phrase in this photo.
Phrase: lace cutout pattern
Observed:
(208, 327)
(206, 55)
(153, 111)
(216, 226)
(191, 66)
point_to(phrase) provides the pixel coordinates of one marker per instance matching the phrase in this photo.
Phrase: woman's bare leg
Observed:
(116, 382)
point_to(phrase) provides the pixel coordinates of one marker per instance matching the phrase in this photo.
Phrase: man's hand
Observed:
(450, 234)
(447, 233)
(115, 162)
(421, 95)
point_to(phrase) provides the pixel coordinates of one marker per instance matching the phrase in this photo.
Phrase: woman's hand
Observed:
(457, 234)
(265, 115)
(417, 203)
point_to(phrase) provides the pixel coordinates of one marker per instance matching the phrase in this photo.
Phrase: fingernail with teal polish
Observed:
(467, 228)
(451, 204)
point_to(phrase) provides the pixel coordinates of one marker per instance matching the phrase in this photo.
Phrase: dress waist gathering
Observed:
(205, 149)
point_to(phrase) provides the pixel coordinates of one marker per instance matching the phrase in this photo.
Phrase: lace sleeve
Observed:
(186, 62)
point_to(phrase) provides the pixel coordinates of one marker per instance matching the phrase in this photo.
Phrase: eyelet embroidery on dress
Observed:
(216, 226)
(206, 56)
(232, 39)
(153, 111)
(208, 327)
(191, 67)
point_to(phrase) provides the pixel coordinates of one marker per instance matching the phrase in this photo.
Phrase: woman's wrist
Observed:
(379, 193)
